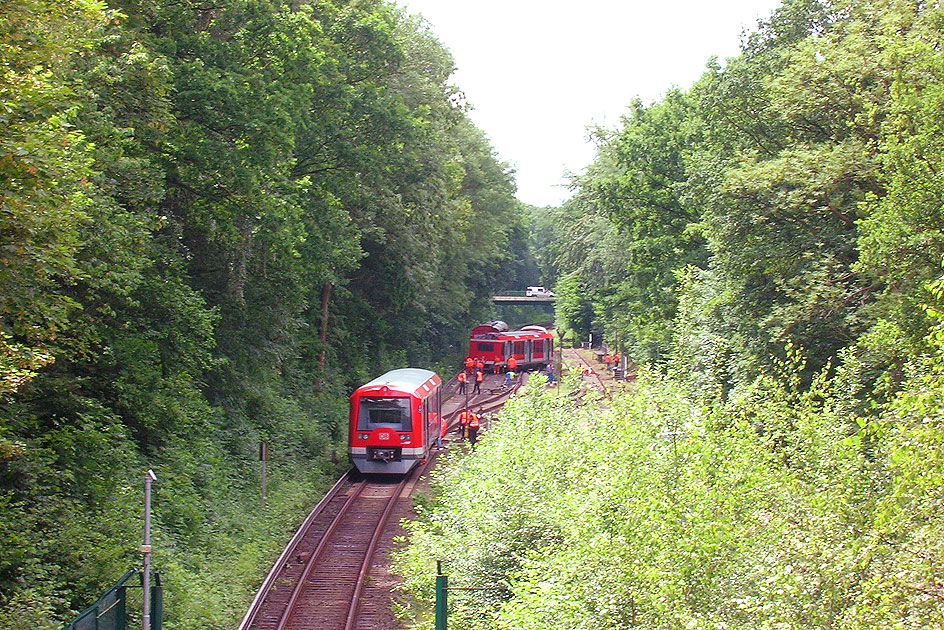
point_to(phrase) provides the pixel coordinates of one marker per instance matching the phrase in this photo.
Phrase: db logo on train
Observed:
(384, 436)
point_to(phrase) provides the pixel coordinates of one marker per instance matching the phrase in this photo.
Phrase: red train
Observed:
(531, 345)
(394, 421)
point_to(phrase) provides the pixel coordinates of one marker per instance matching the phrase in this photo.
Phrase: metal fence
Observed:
(118, 607)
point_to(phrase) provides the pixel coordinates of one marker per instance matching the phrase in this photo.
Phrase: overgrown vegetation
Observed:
(662, 510)
(768, 245)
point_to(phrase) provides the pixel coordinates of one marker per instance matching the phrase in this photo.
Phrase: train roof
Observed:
(526, 333)
(496, 326)
(498, 330)
(405, 380)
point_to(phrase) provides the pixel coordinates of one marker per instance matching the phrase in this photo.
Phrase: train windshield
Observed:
(385, 411)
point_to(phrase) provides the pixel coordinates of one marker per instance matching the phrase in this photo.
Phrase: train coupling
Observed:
(384, 454)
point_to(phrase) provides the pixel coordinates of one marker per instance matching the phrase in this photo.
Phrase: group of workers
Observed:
(475, 369)
(470, 421)
(469, 424)
(463, 379)
(611, 361)
(477, 364)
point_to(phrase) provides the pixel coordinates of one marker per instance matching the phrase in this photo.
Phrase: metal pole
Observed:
(560, 360)
(442, 586)
(146, 550)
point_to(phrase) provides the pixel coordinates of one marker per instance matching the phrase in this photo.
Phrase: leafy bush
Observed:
(659, 511)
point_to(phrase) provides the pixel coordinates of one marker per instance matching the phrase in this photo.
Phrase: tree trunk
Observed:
(325, 299)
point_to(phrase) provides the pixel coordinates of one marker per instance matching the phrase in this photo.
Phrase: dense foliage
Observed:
(662, 511)
(216, 218)
(788, 196)
(769, 244)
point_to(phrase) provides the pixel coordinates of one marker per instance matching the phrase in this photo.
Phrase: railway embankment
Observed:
(667, 507)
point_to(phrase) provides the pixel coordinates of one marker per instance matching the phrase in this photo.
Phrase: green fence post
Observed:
(121, 609)
(157, 603)
(442, 584)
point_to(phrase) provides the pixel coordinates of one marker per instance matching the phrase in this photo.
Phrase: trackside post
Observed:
(442, 587)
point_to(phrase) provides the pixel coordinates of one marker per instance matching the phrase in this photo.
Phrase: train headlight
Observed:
(363, 436)
(404, 438)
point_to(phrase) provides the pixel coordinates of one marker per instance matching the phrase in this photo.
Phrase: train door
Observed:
(424, 432)
(437, 409)
(527, 352)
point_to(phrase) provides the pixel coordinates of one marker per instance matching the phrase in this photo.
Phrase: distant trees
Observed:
(772, 192)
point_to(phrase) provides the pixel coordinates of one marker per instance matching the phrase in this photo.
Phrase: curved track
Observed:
(322, 577)
(603, 386)
(318, 580)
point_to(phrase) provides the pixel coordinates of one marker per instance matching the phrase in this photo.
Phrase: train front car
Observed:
(394, 421)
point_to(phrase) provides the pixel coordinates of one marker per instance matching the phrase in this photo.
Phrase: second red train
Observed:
(532, 346)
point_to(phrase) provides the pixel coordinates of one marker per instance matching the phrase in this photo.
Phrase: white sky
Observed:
(539, 72)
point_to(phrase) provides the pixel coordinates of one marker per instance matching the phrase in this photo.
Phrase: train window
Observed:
(388, 412)
(519, 347)
(483, 347)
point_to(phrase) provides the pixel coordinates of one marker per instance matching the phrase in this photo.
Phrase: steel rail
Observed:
(290, 548)
(606, 390)
(486, 402)
(372, 547)
(296, 592)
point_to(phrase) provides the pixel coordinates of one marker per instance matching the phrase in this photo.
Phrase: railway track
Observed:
(603, 386)
(322, 578)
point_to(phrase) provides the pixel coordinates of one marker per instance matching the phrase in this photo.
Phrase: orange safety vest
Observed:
(512, 363)
(479, 363)
(443, 427)
(464, 418)
(469, 362)
(474, 422)
(463, 378)
(479, 376)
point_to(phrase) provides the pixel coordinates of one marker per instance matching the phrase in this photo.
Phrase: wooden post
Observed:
(325, 301)
(263, 457)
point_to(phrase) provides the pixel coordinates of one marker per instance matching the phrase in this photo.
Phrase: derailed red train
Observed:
(532, 346)
(394, 421)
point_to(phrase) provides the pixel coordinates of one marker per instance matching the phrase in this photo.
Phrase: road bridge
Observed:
(521, 298)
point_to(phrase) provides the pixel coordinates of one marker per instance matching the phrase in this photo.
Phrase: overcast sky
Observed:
(539, 72)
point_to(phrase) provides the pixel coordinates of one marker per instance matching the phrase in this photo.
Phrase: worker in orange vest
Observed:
(463, 381)
(615, 360)
(479, 377)
(480, 363)
(512, 363)
(474, 424)
(463, 422)
(469, 364)
(606, 361)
